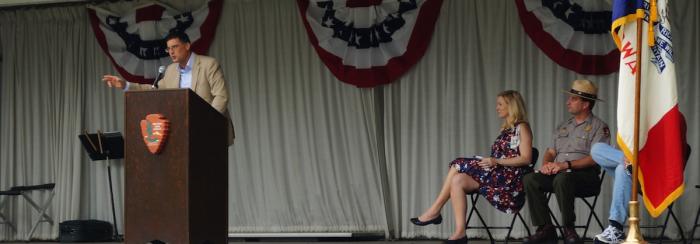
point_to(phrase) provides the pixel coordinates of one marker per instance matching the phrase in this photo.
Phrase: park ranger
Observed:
(567, 168)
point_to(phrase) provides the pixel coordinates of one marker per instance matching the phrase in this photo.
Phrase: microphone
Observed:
(161, 69)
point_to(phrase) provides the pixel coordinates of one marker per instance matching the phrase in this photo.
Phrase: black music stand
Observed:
(105, 146)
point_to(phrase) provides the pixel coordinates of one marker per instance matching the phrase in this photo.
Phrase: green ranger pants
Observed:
(566, 186)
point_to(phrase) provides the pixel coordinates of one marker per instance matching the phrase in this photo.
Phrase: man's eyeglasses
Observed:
(173, 47)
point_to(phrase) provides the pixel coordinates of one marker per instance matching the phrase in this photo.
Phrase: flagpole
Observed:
(634, 234)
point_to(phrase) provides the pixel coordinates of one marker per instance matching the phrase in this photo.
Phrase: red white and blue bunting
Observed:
(573, 33)
(369, 42)
(135, 42)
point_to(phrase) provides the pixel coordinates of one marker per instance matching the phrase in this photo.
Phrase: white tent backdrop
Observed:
(312, 154)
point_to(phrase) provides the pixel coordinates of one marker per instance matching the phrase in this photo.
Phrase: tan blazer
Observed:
(207, 81)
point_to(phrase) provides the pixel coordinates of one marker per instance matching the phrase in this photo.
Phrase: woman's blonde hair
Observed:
(516, 108)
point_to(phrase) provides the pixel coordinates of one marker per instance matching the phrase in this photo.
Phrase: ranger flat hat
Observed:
(585, 89)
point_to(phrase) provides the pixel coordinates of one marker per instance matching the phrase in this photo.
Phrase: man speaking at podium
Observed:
(200, 73)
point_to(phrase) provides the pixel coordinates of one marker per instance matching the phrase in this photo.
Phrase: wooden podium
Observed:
(181, 194)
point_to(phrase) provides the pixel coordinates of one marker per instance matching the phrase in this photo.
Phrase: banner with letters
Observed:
(135, 41)
(368, 43)
(573, 34)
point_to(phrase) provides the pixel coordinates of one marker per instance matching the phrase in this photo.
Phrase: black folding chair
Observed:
(474, 197)
(591, 207)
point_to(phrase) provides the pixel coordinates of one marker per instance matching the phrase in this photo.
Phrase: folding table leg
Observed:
(4, 219)
(43, 217)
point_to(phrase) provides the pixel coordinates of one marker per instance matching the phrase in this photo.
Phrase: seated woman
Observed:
(498, 177)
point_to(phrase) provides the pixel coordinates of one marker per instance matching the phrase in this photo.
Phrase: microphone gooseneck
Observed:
(161, 69)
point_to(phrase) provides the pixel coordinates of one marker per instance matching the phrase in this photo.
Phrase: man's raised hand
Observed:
(114, 81)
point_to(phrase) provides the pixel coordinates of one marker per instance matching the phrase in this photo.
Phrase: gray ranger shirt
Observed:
(573, 141)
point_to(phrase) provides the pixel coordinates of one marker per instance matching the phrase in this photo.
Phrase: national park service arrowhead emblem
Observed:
(154, 130)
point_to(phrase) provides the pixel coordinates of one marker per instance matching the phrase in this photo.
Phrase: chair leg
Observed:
(493, 241)
(474, 200)
(680, 228)
(556, 224)
(527, 229)
(663, 227)
(512, 224)
(695, 226)
(471, 211)
(554, 219)
(671, 215)
(591, 215)
(486, 227)
(510, 229)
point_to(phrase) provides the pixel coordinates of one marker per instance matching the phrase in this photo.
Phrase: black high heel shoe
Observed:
(435, 221)
(458, 241)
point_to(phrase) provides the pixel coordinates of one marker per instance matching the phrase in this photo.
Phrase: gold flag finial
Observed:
(653, 18)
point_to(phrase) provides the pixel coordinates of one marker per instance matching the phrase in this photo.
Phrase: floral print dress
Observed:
(501, 185)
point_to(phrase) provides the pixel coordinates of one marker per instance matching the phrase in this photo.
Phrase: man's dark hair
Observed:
(178, 35)
(591, 102)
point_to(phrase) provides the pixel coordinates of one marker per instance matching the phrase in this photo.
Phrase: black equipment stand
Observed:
(105, 146)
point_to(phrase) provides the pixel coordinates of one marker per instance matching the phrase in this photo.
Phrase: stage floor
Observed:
(339, 242)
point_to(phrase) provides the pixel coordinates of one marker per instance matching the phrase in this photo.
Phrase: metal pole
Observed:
(111, 196)
(634, 235)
